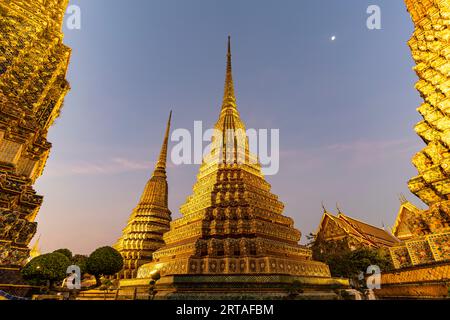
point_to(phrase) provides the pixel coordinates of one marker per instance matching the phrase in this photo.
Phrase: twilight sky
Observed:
(345, 108)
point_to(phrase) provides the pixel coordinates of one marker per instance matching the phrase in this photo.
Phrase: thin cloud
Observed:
(354, 153)
(107, 167)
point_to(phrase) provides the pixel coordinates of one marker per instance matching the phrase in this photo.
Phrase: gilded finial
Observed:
(161, 164)
(402, 198)
(229, 100)
(337, 207)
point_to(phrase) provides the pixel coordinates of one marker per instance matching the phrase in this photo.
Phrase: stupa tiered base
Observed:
(11, 282)
(235, 287)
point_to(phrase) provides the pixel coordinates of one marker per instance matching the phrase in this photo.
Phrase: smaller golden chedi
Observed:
(149, 220)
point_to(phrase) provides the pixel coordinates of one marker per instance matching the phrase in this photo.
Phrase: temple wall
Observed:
(430, 281)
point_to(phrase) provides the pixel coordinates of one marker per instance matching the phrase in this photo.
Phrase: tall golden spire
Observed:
(234, 146)
(160, 168)
(229, 100)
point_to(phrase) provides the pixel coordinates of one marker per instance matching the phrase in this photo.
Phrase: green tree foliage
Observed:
(104, 261)
(347, 263)
(50, 267)
(65, 252)
(81, 261)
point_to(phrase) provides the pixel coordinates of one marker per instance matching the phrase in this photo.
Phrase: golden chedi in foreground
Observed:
(423, 258)
(232, 240)
(33, 66)
(151, 218)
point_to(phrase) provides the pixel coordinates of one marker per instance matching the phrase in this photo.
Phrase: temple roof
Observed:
(369, 230)
(400, 228)
(363, 232)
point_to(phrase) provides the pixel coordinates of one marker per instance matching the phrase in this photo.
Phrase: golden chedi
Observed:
(33, 65)
(430, 229)
(149, 220)
(422, 259)
(232, 239)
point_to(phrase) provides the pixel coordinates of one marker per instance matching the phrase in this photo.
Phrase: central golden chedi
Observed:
(233, 239)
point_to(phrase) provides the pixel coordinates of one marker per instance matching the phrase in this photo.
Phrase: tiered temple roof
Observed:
(406, 213)
(358, 233)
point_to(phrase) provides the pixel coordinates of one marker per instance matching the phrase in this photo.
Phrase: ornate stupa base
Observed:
(9, 275)
(234, 278)
(235, 287)
(11, 282)
(12, 258)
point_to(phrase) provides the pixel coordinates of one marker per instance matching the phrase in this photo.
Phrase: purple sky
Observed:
(345, 108)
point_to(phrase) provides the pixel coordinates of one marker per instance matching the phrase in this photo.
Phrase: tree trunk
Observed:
(98, 283)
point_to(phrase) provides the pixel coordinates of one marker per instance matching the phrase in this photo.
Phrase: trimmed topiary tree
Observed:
(65, 252)
(80, 260)
(347, 263)
(47, 268)
(105, 261)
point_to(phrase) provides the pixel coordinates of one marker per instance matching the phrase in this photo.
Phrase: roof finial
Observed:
(161, 164)
(229, 100)
(323, 207)
(337, 207)
(402, 198)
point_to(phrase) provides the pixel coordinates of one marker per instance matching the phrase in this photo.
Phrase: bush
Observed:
(80, 260)
(347, 263)
(105, 261)
(65, 252)
(50, 267)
